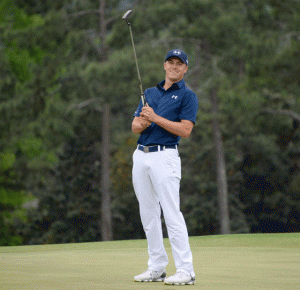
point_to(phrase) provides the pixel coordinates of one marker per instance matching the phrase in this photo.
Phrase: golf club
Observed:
(125, 17)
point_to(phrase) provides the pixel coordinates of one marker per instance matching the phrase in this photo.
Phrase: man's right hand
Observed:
(139, 124)
(144, 122)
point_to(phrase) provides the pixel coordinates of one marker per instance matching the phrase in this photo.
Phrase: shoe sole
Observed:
(191, 282)
(149, 280)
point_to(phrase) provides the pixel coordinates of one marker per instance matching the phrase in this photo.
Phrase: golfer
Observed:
(170, 114)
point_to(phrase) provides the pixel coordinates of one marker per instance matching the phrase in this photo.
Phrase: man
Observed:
(170, 113)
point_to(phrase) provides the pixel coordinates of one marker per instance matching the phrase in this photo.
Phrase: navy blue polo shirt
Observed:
(175, 104)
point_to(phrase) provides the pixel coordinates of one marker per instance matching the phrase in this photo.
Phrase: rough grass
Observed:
(258, 261)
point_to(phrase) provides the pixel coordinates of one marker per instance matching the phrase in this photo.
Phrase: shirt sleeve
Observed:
(189, 107)
(138, 110)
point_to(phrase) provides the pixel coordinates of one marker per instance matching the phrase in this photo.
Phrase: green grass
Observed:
(260, 261)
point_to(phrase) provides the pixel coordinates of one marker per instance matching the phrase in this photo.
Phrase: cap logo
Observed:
(177, 52)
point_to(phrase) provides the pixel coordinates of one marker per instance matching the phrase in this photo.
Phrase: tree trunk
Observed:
(102, 28)
(221, 167)
(106, 225)
(106, 219)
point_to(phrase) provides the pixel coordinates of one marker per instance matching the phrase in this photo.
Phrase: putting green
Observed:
(258, 261)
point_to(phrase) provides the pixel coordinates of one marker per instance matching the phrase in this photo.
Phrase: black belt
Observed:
(156, 148)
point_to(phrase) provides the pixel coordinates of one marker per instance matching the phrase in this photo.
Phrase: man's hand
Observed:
(148, 114)
(144, 122)
(139, 124)
(182, 128)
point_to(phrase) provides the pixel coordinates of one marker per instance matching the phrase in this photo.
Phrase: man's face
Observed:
(175, 69)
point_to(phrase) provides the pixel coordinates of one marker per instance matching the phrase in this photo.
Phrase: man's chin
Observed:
(174, 80)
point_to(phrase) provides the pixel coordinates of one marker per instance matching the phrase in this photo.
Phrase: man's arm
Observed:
(139, 124)
(182, 128)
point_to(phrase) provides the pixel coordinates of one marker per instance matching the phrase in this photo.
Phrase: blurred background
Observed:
(69, 88)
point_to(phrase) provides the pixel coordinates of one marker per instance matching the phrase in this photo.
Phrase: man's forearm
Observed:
(182, 129)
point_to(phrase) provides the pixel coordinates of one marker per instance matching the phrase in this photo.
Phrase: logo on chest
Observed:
(175, 97)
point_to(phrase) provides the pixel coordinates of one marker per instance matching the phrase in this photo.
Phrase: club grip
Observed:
(143, 100)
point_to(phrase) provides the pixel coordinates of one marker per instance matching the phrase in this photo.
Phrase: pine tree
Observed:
(68, 210)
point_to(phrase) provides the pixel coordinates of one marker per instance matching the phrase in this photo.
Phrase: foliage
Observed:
(68, 209)
(11, 198)
(58, 54)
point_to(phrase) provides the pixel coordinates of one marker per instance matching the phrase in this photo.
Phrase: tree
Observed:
(69, 206)
(221, 168)
(11, 198)
(52, 58)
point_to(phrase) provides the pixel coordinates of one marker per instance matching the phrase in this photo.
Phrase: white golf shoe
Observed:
(151, 276)
(180, 278)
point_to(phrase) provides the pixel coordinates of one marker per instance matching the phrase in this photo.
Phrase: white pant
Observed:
(156, 180)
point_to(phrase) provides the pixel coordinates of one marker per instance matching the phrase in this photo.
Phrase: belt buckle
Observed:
(146, 149)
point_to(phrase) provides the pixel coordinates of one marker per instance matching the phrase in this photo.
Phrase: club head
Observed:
(126, 15)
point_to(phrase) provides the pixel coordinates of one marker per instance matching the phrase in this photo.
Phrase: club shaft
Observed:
(137, 67)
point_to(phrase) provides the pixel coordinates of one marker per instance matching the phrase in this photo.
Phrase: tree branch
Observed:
(92, 11)
(283, 112)
(84, 12)
(83, 104)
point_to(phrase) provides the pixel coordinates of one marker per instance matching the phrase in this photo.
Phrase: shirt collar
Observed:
(175, 86)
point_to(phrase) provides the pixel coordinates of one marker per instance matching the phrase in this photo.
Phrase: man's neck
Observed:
(169, 83)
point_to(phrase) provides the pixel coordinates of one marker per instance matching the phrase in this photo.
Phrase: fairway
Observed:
(257, 261)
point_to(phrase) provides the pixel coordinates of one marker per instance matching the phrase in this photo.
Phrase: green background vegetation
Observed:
(58, 54)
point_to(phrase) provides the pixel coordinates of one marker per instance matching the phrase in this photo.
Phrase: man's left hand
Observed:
(148, 113)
